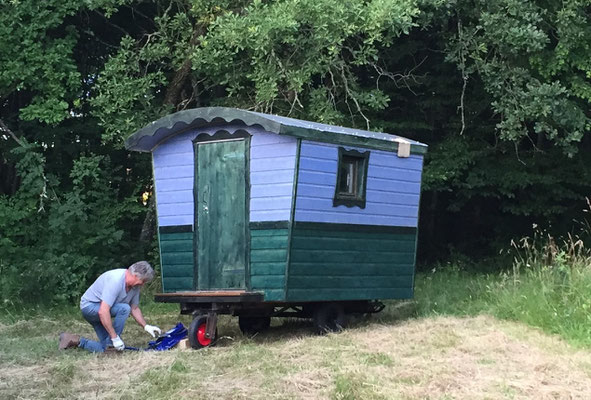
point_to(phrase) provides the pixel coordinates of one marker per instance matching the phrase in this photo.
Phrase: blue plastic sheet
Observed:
(168, 339)
(165, 341)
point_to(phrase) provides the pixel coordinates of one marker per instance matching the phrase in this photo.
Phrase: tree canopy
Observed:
(499, 89)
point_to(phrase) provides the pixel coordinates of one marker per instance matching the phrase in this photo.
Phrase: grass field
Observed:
(446, 344)
(524, 333)
(425, 358)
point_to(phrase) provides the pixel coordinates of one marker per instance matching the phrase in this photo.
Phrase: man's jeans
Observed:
(119, 314)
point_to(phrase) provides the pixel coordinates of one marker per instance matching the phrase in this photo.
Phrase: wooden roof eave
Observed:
(147, 138)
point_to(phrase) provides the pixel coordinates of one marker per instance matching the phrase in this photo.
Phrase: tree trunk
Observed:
(149, 225)
(171, 97)
(173, 92)
(9, 180)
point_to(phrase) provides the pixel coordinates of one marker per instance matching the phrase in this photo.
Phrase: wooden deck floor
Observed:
(208, 293)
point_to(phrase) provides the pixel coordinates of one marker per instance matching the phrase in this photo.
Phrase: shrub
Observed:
(57, 238)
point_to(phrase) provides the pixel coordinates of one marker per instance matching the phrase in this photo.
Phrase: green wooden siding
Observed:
(268, 259)
(332, 262)
(176, 258)
(326, 262)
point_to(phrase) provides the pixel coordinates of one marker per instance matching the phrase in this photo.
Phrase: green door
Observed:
(220, 183)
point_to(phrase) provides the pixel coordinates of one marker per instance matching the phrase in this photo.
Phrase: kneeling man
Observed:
(107, 303)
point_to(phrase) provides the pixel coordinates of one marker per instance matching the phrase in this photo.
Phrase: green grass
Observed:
(555, 297)
(389, 358)
(545, 286)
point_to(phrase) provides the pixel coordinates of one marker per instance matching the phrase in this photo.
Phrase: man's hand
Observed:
(118, 343)
(151, 329)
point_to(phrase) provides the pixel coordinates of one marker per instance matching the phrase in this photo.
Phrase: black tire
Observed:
(253, 325)
(329, 317)
(196, 333)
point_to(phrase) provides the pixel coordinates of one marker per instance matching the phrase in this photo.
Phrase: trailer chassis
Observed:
(254, 313)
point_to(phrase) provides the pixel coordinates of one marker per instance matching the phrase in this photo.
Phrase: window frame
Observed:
(341, 197)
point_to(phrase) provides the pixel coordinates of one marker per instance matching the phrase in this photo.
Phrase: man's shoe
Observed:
(68, 340)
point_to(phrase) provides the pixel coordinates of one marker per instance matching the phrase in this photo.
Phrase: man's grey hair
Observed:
(143, 270)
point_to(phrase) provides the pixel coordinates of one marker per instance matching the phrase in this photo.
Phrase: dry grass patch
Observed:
(435, 358)
(23, 382)
(483, 359)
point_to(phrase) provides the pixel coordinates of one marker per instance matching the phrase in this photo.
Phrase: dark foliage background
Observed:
(500, 90)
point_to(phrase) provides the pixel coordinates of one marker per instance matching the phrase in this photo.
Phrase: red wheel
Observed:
(197, 337)
(203, 341)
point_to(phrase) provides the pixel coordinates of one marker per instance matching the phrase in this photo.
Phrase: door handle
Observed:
(205, 198)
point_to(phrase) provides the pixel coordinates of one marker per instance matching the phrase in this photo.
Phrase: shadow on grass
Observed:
(284, 329)
(28, 335)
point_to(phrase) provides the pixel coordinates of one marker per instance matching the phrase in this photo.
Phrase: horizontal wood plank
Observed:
(323, 256)
(337, 244)
(348, 294)
(176, 257)
(271, 228)
(178, 271)
(353, 230)
(185, 257)
(274, 294)
(348, 269)
(353, 216)
(208, 293)
(340, 262)
(175, 246)
(175, 284)
(272, 177)
(267, 164)
(267, 281)
(177, 196)
(175, 236)
(268, 242)
(267, 268)
(268, 255)
(351, 282)
(165, 171)
(177, 219)
(268, 259)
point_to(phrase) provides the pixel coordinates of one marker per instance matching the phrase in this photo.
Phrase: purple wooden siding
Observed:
(272, 164)
(272, 168)
(393, 188)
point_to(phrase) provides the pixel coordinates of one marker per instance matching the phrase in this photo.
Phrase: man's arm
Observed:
(105, 318)
(136, 313)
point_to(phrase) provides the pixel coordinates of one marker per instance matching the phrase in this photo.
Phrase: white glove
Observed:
(151, 329)
(118, 343)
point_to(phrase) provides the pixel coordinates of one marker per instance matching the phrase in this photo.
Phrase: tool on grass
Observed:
(168, 339)
(165, 341)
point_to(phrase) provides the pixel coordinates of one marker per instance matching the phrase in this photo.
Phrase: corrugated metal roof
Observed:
(147, 138)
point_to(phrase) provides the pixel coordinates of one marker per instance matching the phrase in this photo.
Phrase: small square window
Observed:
(351, 178)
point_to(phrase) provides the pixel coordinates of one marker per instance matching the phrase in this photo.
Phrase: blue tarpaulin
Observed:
(165, 341)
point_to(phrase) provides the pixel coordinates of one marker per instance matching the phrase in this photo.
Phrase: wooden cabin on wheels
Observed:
(264, 216)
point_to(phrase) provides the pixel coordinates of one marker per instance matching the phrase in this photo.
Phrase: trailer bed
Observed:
(210, 296)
